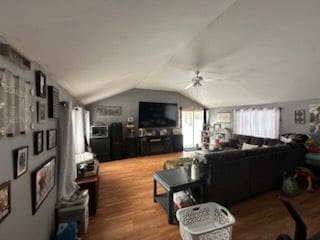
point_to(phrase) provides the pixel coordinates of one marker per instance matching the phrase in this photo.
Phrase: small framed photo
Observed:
(41, 112)
(217, 127)
(43, 181)
(38, 142)
(41, 85)
(5, 200)
(20, 161)
(300, 116)
(51, 138)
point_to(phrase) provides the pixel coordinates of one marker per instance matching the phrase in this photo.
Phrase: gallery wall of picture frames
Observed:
(23, 109)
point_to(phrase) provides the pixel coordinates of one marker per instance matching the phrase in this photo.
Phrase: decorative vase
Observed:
(195, 172)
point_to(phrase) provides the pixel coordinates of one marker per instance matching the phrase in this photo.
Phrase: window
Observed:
(192, 124)
(263, 122)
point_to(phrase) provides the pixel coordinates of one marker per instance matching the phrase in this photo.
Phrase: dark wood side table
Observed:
(92, 184)
(172, 181)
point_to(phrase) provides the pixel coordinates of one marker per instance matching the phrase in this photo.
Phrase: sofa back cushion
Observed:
(246, 146)
(256, 141)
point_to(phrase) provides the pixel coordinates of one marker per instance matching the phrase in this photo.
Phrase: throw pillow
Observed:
(246, 146)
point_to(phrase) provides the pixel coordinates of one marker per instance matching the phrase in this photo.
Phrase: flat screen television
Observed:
(157, 115)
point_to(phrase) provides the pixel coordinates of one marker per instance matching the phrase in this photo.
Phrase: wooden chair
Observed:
(301, 229)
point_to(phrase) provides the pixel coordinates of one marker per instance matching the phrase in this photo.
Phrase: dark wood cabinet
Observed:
(131, 147)
(177, 143)
(92, 184)
(160, 144)
(101, 147)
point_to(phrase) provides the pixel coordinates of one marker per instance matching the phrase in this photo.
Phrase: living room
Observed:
(244, 72)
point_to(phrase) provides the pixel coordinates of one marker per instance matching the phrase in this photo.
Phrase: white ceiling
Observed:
(255, 51)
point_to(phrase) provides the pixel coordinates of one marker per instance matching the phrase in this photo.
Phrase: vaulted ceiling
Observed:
(254, 51)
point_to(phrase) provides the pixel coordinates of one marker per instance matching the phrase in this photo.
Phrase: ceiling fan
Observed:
(197, 81)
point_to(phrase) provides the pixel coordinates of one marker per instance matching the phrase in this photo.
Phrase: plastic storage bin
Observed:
(207, 221)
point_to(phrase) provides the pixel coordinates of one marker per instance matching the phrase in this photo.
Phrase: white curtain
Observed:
(258, 122)
(87, 125)
(67, 166)
(78, 129)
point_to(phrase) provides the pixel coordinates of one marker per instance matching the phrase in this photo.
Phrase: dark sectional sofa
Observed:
(235, 175)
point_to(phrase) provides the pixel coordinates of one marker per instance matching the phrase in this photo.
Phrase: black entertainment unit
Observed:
(160, 144)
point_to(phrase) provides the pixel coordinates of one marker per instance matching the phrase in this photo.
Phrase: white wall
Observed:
(20, 224)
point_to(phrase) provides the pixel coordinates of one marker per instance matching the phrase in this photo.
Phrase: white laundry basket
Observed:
(207, 221)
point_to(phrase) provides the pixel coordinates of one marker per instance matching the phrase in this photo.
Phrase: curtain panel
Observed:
(257, 122)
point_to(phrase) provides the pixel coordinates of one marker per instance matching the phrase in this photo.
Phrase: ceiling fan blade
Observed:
(209, 80)
(181, 82)
(189, 86)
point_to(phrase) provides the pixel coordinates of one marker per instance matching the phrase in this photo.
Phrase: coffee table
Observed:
(172, 181)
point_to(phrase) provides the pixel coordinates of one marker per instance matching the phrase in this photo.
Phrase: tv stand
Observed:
(160, 144)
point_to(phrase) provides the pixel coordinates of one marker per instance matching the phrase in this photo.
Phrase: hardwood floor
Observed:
(126, 209)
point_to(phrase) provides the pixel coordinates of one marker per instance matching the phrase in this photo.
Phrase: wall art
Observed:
(38, 142)
(20, 161)
(51, 138)
(314, 110)
(41, 85)
(15, 102)
(43, 181)
(41, 112)
(109, 110)
(300, 116)
(5, 200)
(223, 117)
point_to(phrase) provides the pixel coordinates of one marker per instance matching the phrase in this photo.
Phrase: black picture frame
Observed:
(42, 182)
(300, 116)
(53, 102)
(51, 138)
(20, 161)
(5, 200)
(38, 142)
(41, 84)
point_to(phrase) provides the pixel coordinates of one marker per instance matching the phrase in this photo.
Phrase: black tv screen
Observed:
(154, 115)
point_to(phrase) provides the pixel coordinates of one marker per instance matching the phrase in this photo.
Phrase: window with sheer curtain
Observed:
(257, 122)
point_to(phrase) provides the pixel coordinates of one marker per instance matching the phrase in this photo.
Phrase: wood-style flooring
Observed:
(126, 209)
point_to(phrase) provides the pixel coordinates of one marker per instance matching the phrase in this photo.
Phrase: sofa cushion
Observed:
(246, 146)
(256, 141)
(221, 155)
(257, 151)
(271, 142)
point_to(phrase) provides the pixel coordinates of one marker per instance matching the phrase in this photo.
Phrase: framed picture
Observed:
(51, 138)
(300, 116)
(217, 127)
(223, 117)
(41, 85)
(20, 161)
(5, 200)
(109, 110)
(38, 142)
(43, 181)
(53, 102)
(314, 111)
(41, 112)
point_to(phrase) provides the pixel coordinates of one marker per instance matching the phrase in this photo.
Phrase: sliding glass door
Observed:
(192, 123)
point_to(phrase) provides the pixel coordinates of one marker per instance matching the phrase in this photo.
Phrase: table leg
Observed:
(154, 190)
(170, 206)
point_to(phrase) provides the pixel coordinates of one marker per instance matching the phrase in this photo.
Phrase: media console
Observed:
(160, 144)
